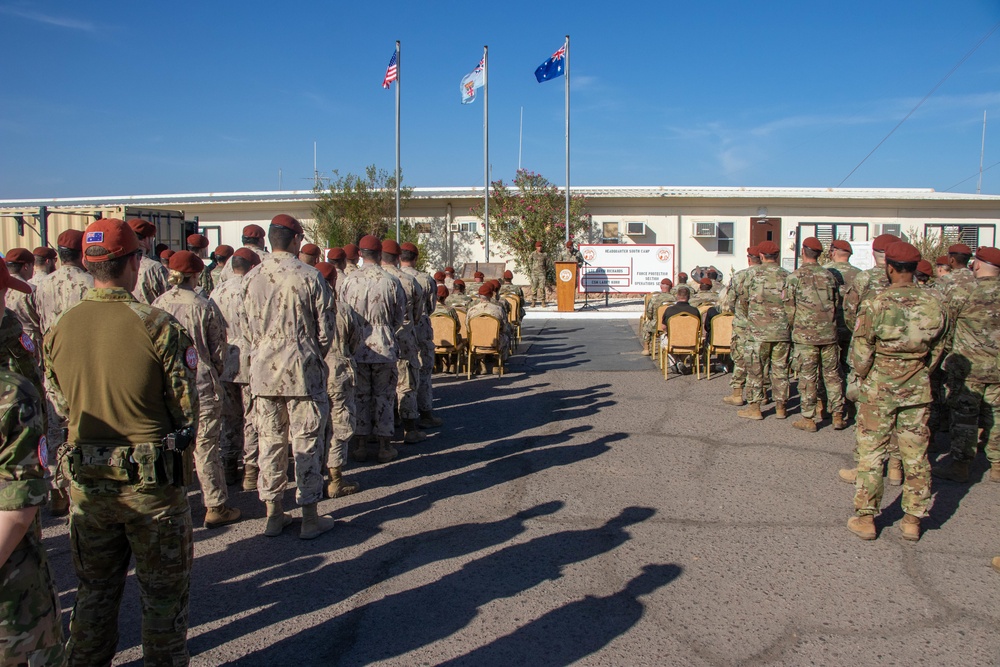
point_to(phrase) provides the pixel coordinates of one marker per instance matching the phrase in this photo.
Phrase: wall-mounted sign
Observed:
(625, 268)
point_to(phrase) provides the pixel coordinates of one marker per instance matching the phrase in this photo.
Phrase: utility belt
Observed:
(146, 466)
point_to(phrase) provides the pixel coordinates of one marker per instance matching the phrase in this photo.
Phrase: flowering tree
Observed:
(534, 210)
(355, 205)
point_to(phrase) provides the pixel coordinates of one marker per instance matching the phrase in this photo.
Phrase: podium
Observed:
(566, 273)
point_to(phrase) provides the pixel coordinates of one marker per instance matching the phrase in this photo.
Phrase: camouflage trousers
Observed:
(538, 288)
(975, 404)
(31, 631)
(207, 458)
(736, 351)
(231, 431)
(407, 374)
(876, 424)
(425, 392)
(812, 361)
(110, 522)
(375, 397)
(759, 356)
(940, 419)
(340, 389)
(251, 444)
(301, 420)
(55, 438)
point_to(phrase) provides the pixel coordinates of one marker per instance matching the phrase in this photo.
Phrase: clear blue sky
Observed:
(113, 98)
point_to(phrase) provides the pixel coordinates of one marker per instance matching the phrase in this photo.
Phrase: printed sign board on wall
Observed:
(625, 268)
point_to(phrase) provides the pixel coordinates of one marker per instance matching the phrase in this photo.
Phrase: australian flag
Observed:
(553, 67)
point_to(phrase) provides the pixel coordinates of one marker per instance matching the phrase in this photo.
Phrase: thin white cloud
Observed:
(49, 19)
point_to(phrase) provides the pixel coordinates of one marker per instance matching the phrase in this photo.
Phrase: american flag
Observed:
(391, 72)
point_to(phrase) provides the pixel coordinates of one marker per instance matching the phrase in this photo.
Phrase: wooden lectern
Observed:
(566, 286)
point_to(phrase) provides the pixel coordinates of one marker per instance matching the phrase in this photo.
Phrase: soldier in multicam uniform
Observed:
(972, 369)
(31, 630)
(898, 338)
(21, 264)
(380, 303)
(473, 288)
(487, 307)
(253, 240)
(449, 279)
(959, 282)
(538, 268)
(425, 336)
(811, 298)
(768, 333)
(717, 285)
(45, 264)
(733, 300)
(340, 389)
(204, 324)
(508, 287)
(569, 253)
(844, 273)
(238, 437)
(54, 296)
(682, 281)
(942, 266)
(152, 280)
(290, 325)
(198, 244)
(704, 295)
(458, 298)
(408, 363)
(649, 322)
(132, 404)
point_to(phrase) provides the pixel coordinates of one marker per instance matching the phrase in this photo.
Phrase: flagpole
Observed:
(486, 148)
(567, 138)
(399, 79)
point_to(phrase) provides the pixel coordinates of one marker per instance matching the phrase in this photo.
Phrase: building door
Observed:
(764, 229)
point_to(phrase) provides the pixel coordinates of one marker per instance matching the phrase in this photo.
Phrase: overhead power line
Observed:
(933, 90)
(970, 177)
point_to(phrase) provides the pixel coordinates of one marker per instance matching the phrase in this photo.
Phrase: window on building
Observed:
(969, 234)
(724, 238)
(609, 232)
(463, 226)
(828, 232)
(422, 227)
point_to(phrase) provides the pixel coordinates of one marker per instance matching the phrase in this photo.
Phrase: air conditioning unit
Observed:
(894, 228)
(635, 228)
(453, 227)
(703, 229)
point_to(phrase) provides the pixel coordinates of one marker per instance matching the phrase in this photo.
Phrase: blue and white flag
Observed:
(553, 67)
(474, 79)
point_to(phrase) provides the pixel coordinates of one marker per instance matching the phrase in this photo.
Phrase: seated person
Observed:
(682, 306)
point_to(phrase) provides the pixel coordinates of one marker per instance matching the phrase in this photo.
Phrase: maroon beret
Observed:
(538, 244)
(142, 228)
(111, 234)
(367, 242)
(351, 251)
(813, 243)
(19, 256)
(989, 255)
(12, 282)
(569, 244)
(71, 239)
(409, 247)
(841, 244)
(249, 255)
(942, 260)
(186, 262)
(442, 290)
(495, 283)
(508, 275)
(459, 282)
(705, 281)
(924, 267)
(286, 221)
(478, 275)
(329, 271)
(667, 281)
(439, 276)
(167, 253)
(449, 269)
(197, 241)
(883, 241)
(486, 289)
(224, 251)
(683, 276)
(902, 252)
(334, 254)
(310, 249)
(768, 248)
(753, 251)
(959, 249)
(44, 252)
(253, 232)
(389, 246)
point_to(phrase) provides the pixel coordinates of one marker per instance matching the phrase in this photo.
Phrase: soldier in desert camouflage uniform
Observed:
(538, 269)
(204, 324)
(486, 307)
(152, 275)
(338, 259)
(425, 336)
(290, 325)
(899, 338)
(811, 299)
(253, 240)
(134, 387)
(768, 334)
(509, 287)
(45, 264)
(408, 364)
(380, 303)
(222, 255)
(649, 320)
(30, 618)
(441, 308)
(733, 299)
(351, 258)
(238, 433)
(21, 264)
(198, 244)
(972, 369)
(340, 389)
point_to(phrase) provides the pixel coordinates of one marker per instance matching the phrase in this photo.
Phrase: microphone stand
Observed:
(586, 293)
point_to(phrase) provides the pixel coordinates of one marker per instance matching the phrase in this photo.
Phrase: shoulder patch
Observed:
(43, 451)
(191, 358)
(27, 343)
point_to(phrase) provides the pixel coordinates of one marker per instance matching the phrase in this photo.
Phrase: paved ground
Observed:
(582, 510)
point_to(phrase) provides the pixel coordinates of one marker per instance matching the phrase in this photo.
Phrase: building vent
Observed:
(703, 230)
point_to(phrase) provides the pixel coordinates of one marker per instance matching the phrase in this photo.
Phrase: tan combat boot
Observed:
(958, 471)
(223, 515)
(735, 398)
(779, 410)
(839, 423)
(751, 411)
(337, 487)
(862, 526)
(819, 410)
(996, 563)
(645, 349)
(314, 525)
(895, 472)
(277, 520)
(429, 420)
(995, 472)
(805, 424)
(849, 475)
(910, 527)
(411, 434)
(386, 452)
(250, 474)
(59, 502)
(359, 451)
